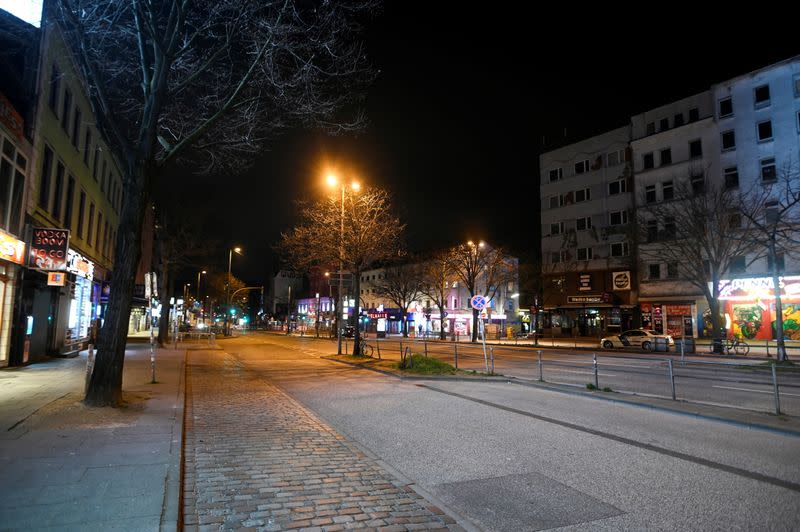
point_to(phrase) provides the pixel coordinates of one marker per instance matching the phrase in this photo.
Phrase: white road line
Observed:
(754, 391)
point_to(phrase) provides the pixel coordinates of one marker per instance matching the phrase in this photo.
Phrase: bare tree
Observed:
(360, 234)
(771, 212)
(210, 81)
(483, 270)
(695, 234)
(437, 274)
(402, 285)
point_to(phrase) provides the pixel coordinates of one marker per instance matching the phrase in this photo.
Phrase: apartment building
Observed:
(588, 266)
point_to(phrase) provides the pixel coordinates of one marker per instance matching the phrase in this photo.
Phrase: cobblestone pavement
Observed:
(256, 459)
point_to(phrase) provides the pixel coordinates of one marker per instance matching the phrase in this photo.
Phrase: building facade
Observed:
(588, 266)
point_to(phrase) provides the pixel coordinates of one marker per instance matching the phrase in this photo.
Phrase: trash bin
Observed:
(661, 344)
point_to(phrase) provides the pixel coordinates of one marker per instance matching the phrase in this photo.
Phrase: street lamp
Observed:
(202, 307)
(332, 181)
(238, 251)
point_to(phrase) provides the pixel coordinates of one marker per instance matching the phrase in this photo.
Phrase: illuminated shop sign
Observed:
(48, 249)
(752, 288)
(11, 249)
(80, 266)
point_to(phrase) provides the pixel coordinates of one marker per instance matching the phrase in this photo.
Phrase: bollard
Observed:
(345, 346)
(541, 376)
(378, 343)
(455, 351)
(89, 367)
(671, 377)
(683, 348)
(777, 393)
(596, 381)
(424, 341)
(491, 353)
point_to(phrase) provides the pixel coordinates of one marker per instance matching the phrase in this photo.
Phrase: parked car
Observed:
(641, 338)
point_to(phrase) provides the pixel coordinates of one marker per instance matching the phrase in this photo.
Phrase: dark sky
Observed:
(462, 104)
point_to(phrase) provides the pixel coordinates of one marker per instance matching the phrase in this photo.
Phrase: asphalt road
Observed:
(510, 457)
(702, 379)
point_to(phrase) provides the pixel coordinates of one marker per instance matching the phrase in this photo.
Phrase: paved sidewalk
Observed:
(258, 460)
(69, 467)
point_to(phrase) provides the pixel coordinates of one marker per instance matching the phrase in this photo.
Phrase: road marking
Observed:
(754, 391)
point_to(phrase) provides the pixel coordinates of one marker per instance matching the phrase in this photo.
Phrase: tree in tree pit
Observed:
(437, 275)
(402, 285)
(362, 234)
(206, 83)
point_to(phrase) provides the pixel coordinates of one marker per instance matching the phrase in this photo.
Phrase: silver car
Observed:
(640, 338)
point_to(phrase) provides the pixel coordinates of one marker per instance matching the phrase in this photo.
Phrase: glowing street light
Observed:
(238, 251)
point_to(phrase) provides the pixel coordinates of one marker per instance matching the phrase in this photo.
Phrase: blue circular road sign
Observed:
(478, 302)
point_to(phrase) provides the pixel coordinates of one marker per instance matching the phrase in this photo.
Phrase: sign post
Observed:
(478, 302)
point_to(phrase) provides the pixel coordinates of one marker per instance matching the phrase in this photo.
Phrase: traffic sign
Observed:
(478, 302)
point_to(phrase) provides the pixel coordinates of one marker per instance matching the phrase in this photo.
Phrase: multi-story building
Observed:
(741, 135)
(72, 205)
(589, 275)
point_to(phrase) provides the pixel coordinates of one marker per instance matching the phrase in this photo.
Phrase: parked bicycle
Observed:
(735, 345)
(365, 350)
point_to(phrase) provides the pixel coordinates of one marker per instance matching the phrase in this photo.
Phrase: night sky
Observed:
(463, 105)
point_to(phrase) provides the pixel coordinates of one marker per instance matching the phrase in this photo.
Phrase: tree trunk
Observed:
(474, 325)
(778, 303)
(716, 334)
(405, 324)
(105, 385)
(442, 333)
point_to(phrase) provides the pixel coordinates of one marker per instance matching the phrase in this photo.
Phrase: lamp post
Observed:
(332, 181)
(238, 250)
(197, 298)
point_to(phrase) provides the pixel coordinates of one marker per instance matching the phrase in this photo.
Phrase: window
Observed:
(582, 166)
(771, 212)
(582, 195)
(582, 224)
(76, 128)
(670, 229)
(557, 228)
(764, 130)
(698, 183)
(648, 161)
(796, 83)
(560, 256)
(617, 187)
(650, 194)
(555, 202)
(87, 145)
(102, 176)
(768, 172)
(619, 249)
(678, 120)
(65, 110)
(96, 161)
(738, 264)
(105, 239)
(726, 107)
(663, 124)
(55, 88)
(614, 158)
(59, 190)
(728, 140)
(68, 205)
(695, 149)
(90, 225)
(778, 262)
(618, 217)
(694, 114)
(651, 128)
(556, 174)
(731, 177)
(652, 230)
(47, 169)
(798, 120)
(584, 253)
(761, 94)
(667, 190)
(654, 271)
(672, 270)
(666, 157)
(81, 208)
(97, 233)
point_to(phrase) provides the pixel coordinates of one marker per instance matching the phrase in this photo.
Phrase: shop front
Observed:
(12, 257)
(748, 305)
(675, 318)
(83, 301)
(588, 315)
